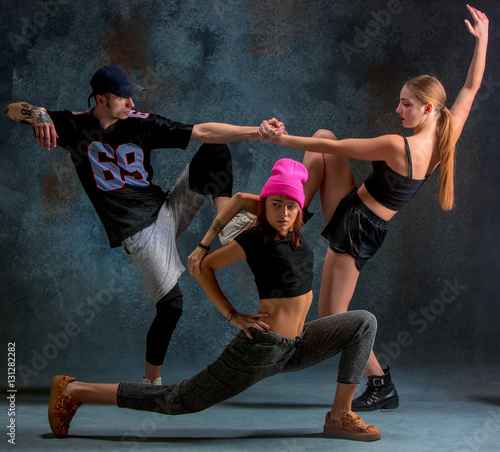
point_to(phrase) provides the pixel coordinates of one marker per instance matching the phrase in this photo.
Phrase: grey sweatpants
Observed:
(154, 249)
(245, 362)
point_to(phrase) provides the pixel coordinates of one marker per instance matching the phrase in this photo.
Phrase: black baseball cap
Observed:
(113, 79)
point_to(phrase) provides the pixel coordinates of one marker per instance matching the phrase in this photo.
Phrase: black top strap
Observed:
(408, 154)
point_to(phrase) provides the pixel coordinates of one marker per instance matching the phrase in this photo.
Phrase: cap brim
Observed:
(128, 90)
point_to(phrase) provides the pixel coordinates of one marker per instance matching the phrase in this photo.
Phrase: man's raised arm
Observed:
(37, 117)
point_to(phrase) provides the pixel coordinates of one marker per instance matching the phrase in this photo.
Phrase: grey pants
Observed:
(154, 249)
(245, 362)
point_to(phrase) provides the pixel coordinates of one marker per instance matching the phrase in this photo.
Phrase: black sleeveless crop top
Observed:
(280, 269)
(389, 188)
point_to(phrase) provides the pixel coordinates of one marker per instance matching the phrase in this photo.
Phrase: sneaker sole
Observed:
(346, 434)
(250, 224)
(386, 405)
(54, 389)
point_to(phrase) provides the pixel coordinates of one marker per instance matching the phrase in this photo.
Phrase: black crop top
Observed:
(280, 269)
(389, 188)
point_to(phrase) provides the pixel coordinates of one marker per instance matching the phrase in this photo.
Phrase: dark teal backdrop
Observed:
(72, 304)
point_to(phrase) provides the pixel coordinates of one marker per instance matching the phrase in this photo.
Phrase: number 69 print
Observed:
(125, 165)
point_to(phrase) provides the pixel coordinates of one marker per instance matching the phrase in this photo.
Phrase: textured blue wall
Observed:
(71, 304)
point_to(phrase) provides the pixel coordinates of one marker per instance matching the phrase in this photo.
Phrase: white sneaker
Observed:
(147, 381)
(236, 226)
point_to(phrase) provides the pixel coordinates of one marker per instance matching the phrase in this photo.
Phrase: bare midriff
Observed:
(286, 315)
(377, 208)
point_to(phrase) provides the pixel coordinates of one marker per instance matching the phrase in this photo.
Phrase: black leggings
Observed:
(211, 171)
(168, 313)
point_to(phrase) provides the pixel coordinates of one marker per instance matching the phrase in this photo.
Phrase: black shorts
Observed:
(355, 229)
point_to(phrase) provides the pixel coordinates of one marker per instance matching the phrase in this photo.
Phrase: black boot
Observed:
(380, 394)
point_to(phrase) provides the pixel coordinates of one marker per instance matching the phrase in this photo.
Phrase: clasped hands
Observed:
(271, 129)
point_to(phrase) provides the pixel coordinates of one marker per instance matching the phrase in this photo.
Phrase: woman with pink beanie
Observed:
(273, 340)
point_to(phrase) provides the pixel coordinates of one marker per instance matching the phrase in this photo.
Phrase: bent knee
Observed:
(361, 320)
(171, 304)
(368, 319)
(325, 133)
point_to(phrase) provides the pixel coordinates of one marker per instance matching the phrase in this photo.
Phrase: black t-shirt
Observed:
(280, 269)
(114, 166)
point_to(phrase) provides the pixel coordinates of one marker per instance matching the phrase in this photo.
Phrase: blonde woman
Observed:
(358, 217)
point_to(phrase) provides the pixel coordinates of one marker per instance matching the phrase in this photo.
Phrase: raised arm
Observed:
(239, 202)
(36, 117)
(214, 132)
(462, 105)
(220, 258)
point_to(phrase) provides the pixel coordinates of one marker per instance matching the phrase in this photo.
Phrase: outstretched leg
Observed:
(243, 363)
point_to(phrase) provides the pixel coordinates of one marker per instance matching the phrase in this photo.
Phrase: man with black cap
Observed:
(110, 146)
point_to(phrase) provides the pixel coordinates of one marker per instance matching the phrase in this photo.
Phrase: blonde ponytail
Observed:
(446, 146)
(428, 89)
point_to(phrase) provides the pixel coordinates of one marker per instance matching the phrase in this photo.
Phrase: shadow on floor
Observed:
(485, 398)
(194, 436)
(276, 405)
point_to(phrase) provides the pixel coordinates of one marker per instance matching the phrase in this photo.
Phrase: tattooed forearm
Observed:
(29, 110)
(26, 113)
(38, 114)
(217, 227)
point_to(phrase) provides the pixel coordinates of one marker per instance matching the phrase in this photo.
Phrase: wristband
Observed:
(206, 248)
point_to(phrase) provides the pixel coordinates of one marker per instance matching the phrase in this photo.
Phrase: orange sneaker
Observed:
(61, 407)
(350, 426)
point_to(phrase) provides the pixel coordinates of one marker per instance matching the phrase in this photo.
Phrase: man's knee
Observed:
(211, 171)
(171, 304)
(212, 154)
(219, 152)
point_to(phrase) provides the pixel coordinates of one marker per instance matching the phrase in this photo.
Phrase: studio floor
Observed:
(441, 409)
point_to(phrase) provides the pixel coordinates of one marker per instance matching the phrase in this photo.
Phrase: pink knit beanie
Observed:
(286, 180)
